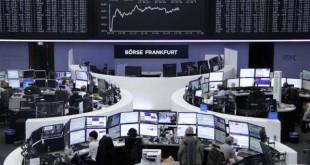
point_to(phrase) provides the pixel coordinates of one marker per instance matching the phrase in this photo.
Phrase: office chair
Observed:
(87, 103)
(215, 157)
(61, 95)
(254, 98)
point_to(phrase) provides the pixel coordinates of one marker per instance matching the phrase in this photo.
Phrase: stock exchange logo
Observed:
(289, 58)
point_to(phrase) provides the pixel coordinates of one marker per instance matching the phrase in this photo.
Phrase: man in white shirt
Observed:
(83, 90)
(65, 85)
(93, 145)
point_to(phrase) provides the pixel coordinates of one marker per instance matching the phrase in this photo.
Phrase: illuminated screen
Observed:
(246, 82)
(28, 74)
(101, 132)
(204, 87)
(148, 130)
(195, 84)
(2, 77)
(262, 82)
(219, 123)
(283, 80)
(198, 93)
(96, 122)
(129, 117)
(181, 129)
(306, 85)
(115, 132)
(77, 137)
(216, 76)
(77, 123)
(80, 83)
(295, 82)
(213, 86)
(52, 131)
(238, 127)
(220, 136)
(233, 83)
(60, 75)
(167, 117)
(306, 74)
(114, 120)
(41, 83)
(81, 75)
(247, 72)
(262, 72)
(126, 127)
(205, 132)
(187, 118)
(148, 117)
(102, 84)
(14, 83)
(255, 145)
(13, 73)
(40, 74)
(254, 130)
(205, 119)
(240, 141)
(27, 82)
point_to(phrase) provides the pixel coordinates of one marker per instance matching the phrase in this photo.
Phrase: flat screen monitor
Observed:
(40, 74)
(52, 131)
(205, 119)
(102, 84)
(77, 137)
(2, 77)
(101, 132)
(28, 74)
(204, 87)
(254, 130)
(198, 93)
(188, 66)
(240, 141)
(247, 72)
(129, 117)
(167, 117)
(195, 84)
(262, 72)
(246, 82)
(148, 117)
(306, 74)
(115, 132)
(262, 82)
(213, 86)
(58, 108)
(233, 83)
(27, 82)
(255, 145)
(283, 80)
(295, 82)
(205, 132)
(237, 127)
(77, 123)
(13, 73)
(41, 83)
(14, 83)
(51, 83)
(220, 136)
(96, 122)
(148, 130)
(133, 71)
(62, 75)
(203, 67)
(220, 123)
(268, 105)
(216, 76)
(187, 118)
(182, 128)
(114, 120)
(126, 127)
(306, 84)
(80, 83)
(169, 70)
(81, 75)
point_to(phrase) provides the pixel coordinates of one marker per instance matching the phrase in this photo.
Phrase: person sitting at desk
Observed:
(105, 154)
(222, 91)
(306, 119)
(133, 147)
(66, 87)
(228, 151)
(255, 96)
(93, 145)
(191, 149)
(208, 97)
(32, 89)
(83, 90)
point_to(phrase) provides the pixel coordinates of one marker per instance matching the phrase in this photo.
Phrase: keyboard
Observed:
(244, 154)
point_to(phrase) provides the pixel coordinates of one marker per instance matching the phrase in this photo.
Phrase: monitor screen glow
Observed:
(181, 129)
(246, 82)
(305, 74)
(255, 145)
(205, 119)
(167, 117)
(115, 132)
(262, 82)
(126, 127)
(306, 84)
(204, 87)
(233, 83)
(283, 80)
(238, 127)
(219, 123)
(27, 82)
(213, 86)
(148, 130)
(129, 117)
(77, 123)
(114, 120)
(195, 84)
(187, 118)
(216, 76)
(198, 93)
(13, 73)
(220, 136)
(205, 132)
(81, 75)
(101, 132)
(254, 130)
(247, 72)
(80, 83)
(240, 141)
(96, 121)
(262, 72)
(148, 117)
(14, 83)
(77, 137)
(295, 82)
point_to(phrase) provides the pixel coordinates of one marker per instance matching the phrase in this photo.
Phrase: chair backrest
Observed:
(133, 150)
(87, 103)
(61, 95)
(215, 157)
(255, 97)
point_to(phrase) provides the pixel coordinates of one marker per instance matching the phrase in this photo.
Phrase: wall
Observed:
(14, 55)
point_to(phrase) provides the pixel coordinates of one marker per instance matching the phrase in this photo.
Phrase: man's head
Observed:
(93, 135)
(189, 131)
(64, 82)
(132, 132)
(83, 88)
(229, 140)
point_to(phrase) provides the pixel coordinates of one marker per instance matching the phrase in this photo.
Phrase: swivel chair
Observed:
(254, 98)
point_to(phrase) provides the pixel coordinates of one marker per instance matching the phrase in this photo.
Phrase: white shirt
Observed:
(93, 148)
(68, 90)
(209, 101)
(81, 93)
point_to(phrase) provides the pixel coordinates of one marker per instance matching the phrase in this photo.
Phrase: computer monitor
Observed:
(133, 71)
(81, 75)
(96, 122)
(167, 118)
(246, 82)
(187, 118)
(115, 132)
(268, 105)
(255, 145)
(254, 130)
(262, 72)
(27, 82)
(80, 83)
(204, 87)
(148, 130)
(62, 75)
(220, 123)
(148, 117)
(129, 117)
(58, 108)
(247, 72)
(169, 70)
(102, 84)
(114, 120)
(14, 83)
(237, 127)
(28, 74)
(233, 83)
(41, 83)
(205, 119)
(40, 74)
(182, 128)
(188, 66)
(77, 123)
(126, 127)
(101, 132)
(240, 141)
(13, 73)
(305, 74)
(213, 86)
(51, 83)
(52, 131)
(203, 67)
(205, 132)
(198, 93)
(77, 137)
(2, 77)
(262, 82)
(195, 84)
(283, 80)
(306, 84)
(216, 76)
(294, 81)
(220, 136)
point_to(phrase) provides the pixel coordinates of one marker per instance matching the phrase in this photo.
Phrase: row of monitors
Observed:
(16, 74)
(79, 75)
(255, 72)
(261, 82)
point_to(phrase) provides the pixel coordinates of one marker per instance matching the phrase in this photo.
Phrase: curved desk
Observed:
(155, 92)
(14, 157)
(125, 104)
